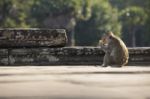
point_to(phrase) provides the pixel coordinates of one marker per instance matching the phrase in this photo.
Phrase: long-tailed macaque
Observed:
(116, 52)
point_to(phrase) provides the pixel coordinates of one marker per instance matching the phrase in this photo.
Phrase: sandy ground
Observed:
(74, 82)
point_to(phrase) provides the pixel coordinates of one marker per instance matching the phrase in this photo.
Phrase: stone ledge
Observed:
(32, 37)
(66, 56)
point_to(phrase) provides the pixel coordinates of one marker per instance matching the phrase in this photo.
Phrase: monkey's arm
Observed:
(104, 47)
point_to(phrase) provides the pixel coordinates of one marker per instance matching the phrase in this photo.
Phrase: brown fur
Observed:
(116, 52)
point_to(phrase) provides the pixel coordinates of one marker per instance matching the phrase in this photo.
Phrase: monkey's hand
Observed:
(102, 43)
(104, 46)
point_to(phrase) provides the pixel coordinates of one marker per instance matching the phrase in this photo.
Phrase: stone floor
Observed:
(74, 82)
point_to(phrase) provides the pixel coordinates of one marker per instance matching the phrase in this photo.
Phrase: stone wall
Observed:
(66, 56)
(139, 56)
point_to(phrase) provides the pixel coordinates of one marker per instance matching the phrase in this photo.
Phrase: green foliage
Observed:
(88, 18)
(14, 13)
(104, 18)
(132, 16)
(147, 25)
(42, 9)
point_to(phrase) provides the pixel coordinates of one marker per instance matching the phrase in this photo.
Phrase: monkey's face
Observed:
(103, 40)
(108, 37)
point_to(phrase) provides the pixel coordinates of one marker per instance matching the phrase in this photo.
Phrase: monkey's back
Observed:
(121, 54)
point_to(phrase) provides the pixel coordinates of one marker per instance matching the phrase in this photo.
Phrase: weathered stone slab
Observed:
(139, 55)
(4, 56)
(66, 56)
(34, 56)
(55, 56)
(32, 37)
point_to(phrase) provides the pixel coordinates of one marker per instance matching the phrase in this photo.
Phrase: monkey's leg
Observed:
(119, 62)
(106, 60)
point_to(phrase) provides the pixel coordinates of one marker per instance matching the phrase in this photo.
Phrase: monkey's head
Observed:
(106, 38)
(109, 36)
(103, 40)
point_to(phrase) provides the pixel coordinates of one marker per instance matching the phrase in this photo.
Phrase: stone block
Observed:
(32, 37)
(4, 57)
(139, 55)
(56, 56)
(66, 56)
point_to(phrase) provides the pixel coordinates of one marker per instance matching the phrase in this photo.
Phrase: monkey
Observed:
(116, 52)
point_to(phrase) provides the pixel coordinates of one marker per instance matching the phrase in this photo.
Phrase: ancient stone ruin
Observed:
(47, 47)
